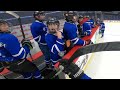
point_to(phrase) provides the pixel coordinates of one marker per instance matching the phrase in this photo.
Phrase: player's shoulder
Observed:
(10, 38)
(48, 36)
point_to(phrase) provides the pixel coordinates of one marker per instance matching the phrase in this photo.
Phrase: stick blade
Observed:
(13, 14)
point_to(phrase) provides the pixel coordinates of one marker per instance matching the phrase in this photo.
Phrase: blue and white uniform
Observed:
(70, 31)
(11, 49)
(86, 29)
(39, 30)
(91, 23)
(102, 28)
(56, 46)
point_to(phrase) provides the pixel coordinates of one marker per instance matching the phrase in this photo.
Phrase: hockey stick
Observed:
(61, 68)
(20, 23)
(106, 46)
(2, 77)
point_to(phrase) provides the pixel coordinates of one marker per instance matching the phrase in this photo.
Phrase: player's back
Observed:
(69, 29)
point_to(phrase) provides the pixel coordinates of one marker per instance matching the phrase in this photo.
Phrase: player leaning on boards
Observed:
(70, 30)
(13, 54)
(85, 26)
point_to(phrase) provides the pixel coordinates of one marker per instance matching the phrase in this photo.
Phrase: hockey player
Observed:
(55, 41)
(86, 27)
(13, 54)
(98, 21)
(85, 18)
(102, 28)
(70, 29)
(80, 25)
(90, 21)
(38, 30)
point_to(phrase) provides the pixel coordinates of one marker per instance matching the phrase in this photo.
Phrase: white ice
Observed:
(106, 65)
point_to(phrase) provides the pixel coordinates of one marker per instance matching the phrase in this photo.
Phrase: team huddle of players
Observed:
(53, 42)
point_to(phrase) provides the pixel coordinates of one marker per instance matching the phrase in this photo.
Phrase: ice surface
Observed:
(106, 65)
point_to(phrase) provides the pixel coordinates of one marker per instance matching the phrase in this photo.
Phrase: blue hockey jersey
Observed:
(91, 23)
(11, 49)
(70, 31)
(55, 46)
(38, 30)
(86, 28)
(102, 26)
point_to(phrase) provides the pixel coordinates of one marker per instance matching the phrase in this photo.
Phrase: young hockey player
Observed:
(70, 29)
(38, 30)
(80, 25)
(102, 28)
(98, 21)
(82, 19)
(13, 54)
(90, 21)
(55, 41)
(86, 26)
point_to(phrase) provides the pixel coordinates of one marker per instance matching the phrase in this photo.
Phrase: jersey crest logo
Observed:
(44, 29)
(2, 45)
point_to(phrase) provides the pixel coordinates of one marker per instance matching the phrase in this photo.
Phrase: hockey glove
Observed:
(25, 42)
